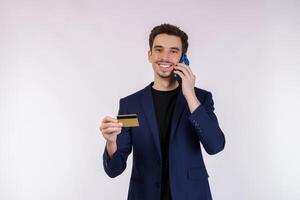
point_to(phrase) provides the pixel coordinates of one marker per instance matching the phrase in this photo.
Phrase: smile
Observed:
(165, 65)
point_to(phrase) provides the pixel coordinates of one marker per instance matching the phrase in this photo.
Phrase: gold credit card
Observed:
(128, 120)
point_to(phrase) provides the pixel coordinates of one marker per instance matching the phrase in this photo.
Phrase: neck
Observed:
(165, 84)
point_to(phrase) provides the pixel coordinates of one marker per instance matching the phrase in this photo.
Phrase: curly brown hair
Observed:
(170, 30)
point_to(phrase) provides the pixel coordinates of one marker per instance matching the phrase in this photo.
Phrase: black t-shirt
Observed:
(164, 104)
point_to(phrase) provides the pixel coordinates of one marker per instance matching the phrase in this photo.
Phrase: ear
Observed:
(149, 56)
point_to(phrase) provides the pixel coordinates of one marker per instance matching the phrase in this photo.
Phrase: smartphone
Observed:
(185, 61)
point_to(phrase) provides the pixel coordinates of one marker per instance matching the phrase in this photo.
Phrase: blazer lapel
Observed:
(179, 108)
(148, 107)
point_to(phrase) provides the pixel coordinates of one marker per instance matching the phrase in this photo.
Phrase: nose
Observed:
(165, 56)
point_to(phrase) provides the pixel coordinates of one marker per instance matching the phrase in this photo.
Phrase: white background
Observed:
(65, 64)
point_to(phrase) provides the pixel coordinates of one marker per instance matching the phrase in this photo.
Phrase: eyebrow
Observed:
(157, 46)
(173, 48)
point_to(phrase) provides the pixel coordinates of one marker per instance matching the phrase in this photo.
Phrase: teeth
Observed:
(165, 65)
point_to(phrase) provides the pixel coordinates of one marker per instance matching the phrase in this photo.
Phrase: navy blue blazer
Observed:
(187, 172)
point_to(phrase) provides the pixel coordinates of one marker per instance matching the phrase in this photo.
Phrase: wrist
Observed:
(111, 148)
(193, 102)
(191, 97)
(111, 143)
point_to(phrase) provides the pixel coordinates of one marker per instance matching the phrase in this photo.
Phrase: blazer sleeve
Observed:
(117, 164)
(207, 127)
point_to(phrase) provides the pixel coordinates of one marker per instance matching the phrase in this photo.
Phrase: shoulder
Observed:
(202, 93)
(134, 96)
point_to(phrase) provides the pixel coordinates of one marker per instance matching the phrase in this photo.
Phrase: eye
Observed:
(158, 50)
(174, 51)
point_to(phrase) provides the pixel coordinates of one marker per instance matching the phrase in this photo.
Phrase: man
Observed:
(174, 119)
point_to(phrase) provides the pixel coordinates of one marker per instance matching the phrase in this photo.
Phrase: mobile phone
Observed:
(185, 61)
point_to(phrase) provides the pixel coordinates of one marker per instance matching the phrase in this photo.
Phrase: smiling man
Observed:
(174, 119)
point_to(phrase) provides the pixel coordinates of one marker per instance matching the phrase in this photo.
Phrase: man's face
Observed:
(165, 54)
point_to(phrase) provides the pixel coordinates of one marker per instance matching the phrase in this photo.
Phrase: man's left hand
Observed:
(188, 79)
(188, 84)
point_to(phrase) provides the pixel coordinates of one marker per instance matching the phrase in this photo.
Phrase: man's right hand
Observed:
(110, 128)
